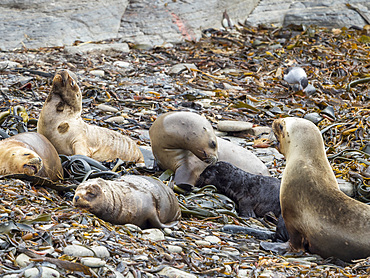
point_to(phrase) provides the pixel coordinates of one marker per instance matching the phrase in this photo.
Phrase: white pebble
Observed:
(22, 260)
(174, 249)
(93, 262)
(47, 272)
(153, 234)
(78, 251)
(172, 272)
(107, 108)
(100, 251)
(122, 64)
(213, 239)
(99, 73)
(235, 126)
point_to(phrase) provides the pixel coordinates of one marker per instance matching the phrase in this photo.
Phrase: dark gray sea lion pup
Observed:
(255, 195)
(185, 143)
(140, 200)
(30, 153)
(319, 217)
(61, 122)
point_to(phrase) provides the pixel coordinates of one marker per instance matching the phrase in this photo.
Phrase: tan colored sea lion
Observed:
(30, 153)
(185, 142)
(61, 122)
(140, 200)
(318, 216)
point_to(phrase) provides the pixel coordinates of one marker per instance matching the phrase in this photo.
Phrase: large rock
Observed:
(37, 23)
(157, 22)
(326, 13)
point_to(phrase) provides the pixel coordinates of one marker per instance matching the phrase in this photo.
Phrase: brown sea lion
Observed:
(61, 122)
(30, 153)
(140, 200)
(319, 217)
(185, 143)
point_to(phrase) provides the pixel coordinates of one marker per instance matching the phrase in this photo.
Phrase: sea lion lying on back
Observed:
(255, 195)
(140, 200)
(319, 217)
(185, 143)
(61, 122)
(30, 153)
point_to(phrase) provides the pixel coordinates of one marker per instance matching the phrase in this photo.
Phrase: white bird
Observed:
(296, 75)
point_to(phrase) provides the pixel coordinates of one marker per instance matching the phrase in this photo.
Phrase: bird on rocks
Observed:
(296, 75)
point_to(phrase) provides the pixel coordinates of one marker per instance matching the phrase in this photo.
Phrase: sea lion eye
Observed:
(91, 194)
(73, 83)
(26, 154)
(212, 144)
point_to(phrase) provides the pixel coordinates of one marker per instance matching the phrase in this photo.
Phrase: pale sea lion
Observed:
(318, 216)
(185, 143)
(140, 200)
(30, 153)
(254, 195)
(61, 122)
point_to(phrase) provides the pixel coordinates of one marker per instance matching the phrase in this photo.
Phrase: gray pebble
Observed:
(176, 69)
(117, 120)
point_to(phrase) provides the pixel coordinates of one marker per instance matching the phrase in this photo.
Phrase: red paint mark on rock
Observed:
(185, 32)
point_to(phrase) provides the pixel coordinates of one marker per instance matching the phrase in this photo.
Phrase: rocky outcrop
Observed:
(39, 23)
(327, 13)
(158, 22)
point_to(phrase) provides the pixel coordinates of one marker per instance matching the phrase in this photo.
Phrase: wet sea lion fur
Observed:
(140, 200)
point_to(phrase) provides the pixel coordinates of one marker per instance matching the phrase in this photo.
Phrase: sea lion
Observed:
(255, 195)
(30, 153)
(319, 217)
(140, 200)
(61, 122)
(185, 143)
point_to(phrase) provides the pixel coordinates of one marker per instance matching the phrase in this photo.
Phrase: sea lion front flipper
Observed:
(246, 208)
(80, 147)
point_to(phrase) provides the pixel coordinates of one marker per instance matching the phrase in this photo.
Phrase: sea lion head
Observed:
(88, 196)
(65, 86)
(25, 161)
(297, 135)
